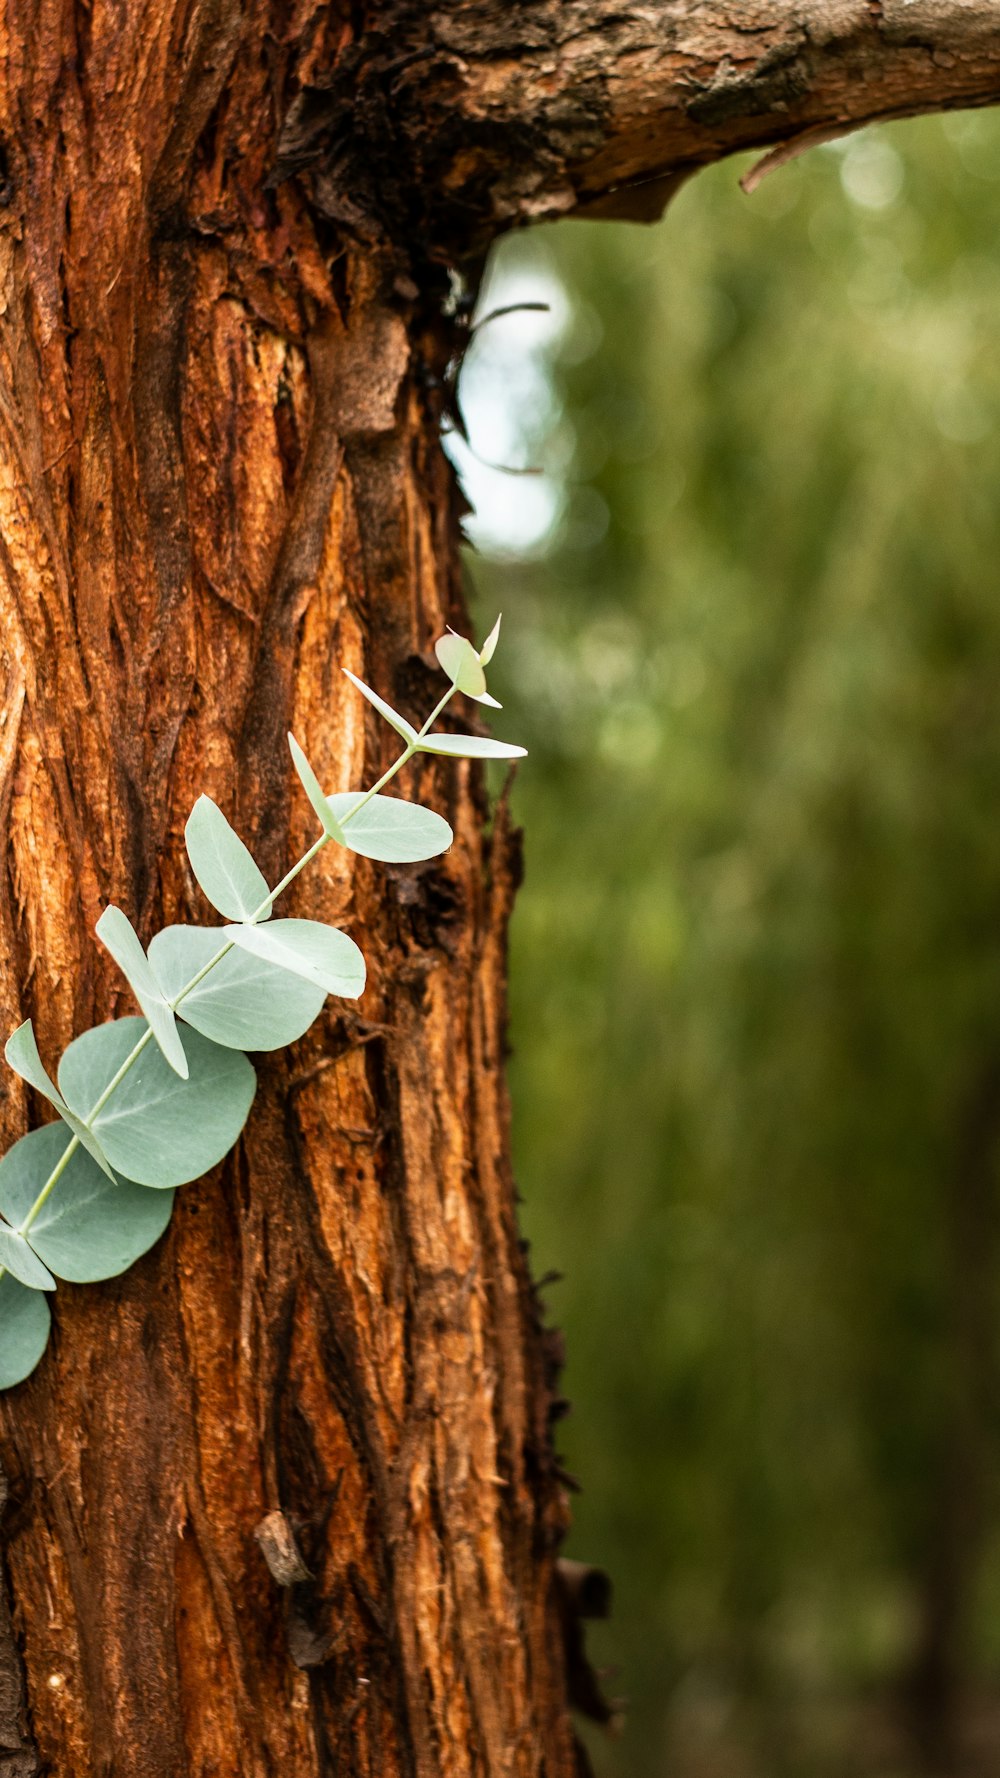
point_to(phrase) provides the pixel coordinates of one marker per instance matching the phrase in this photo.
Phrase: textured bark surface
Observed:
(223, 231)
(220, 481)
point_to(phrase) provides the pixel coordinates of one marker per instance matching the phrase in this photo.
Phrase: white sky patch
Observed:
(508, 404)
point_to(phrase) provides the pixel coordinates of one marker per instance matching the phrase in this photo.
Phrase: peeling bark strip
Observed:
(222, 351)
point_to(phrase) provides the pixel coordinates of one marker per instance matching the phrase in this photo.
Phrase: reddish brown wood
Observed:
(223, 231)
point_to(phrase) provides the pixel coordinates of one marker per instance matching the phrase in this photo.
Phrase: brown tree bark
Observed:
(225, 230)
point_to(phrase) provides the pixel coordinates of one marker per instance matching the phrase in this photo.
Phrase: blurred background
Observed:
(753, 643)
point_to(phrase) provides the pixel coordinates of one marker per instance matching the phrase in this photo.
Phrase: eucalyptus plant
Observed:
(147, 1104)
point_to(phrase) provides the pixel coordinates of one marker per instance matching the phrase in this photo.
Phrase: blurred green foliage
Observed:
(756, 961)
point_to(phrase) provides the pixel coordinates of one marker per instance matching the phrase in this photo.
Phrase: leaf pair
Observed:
(158, 1128)
(454, 746)
(244, 1002)
(233, 884)
(464, 667)
(464, 664)
(137, 1113)
(309, 950)
(240, 1001)
(317, 953)
(382, 827)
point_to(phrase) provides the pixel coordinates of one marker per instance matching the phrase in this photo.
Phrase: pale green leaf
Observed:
(156, 1128)
(460, 661)
(311, 785)
(391, 830)
(244, 1002)
(21, 1053)
(471, 747)
(24, 1330)
(489, 647)
(222, 864)
(307, 948)
(90, 1227)
(17, 1258)
(116, 933)
(399, 723)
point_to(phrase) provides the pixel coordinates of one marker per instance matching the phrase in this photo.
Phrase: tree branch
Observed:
(443, 131)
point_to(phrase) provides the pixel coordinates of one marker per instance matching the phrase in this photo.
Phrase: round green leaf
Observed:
(245, 1002)
(307, 948)
(17, 1258)
(391, 830)
(222, 864)
(24, 1330)
(464, 666)
(157, 1128)
(91, 1227)
(460, 661)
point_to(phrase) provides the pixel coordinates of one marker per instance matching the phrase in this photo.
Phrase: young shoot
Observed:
(147, 1104)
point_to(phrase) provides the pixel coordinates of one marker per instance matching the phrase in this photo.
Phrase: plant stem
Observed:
(133, 1056)
(74, 1142)
(324, 839)
(50, 1184)
(314, 850)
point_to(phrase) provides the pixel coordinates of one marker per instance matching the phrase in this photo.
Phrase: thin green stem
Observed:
(225, 949)
(362, 802)
(314, 850)
(289, 877)
(71, 1147)
(133, 1056)
(74, 1143)
(50, 1184)
(435, 713)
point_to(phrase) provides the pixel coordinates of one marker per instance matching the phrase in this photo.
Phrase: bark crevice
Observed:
(18, 1754)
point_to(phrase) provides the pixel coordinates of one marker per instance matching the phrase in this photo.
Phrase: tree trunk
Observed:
(224, 230)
